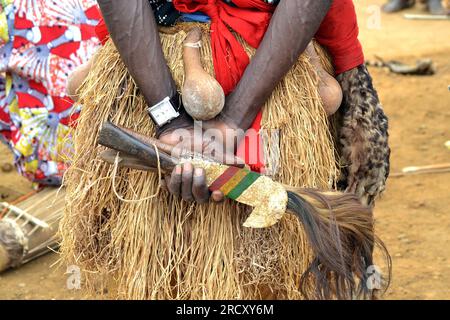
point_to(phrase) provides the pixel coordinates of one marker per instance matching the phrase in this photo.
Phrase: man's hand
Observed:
(217, 142)
(190, 183)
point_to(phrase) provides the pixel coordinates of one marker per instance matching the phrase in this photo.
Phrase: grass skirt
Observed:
(150, 245)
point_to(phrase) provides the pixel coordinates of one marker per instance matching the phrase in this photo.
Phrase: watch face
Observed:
(163, 112)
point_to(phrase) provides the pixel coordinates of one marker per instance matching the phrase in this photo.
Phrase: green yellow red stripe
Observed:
(234, 181)
(243, 185)
(223, 178)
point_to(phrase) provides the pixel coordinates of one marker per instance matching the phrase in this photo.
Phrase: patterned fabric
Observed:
(41, 42)
(165, 13)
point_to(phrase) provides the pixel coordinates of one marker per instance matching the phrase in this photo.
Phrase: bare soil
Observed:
(413, 216)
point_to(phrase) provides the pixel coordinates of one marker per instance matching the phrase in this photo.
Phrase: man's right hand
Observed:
(187, 181)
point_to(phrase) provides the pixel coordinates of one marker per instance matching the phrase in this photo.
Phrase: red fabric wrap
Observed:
(249, 20)
(102, 31)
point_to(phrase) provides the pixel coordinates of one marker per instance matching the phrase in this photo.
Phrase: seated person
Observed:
(434, 6)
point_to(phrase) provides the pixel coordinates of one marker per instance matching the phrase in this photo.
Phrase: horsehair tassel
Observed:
(338, 227)
(340, 231)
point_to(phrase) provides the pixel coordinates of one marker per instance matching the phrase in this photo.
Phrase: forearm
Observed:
(291, 28)
(134, 31)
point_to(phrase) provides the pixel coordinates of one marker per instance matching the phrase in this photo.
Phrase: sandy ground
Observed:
(413, 216)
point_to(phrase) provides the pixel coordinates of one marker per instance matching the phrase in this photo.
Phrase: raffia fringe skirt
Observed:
(154, 246)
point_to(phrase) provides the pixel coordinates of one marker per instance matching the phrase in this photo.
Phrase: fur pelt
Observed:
(362, 137)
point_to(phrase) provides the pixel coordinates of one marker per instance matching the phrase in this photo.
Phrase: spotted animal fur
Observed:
(362, 137)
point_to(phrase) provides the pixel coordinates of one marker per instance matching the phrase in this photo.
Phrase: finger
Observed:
(174, 185)
(199, 188)
(217, 196)
(186, 182)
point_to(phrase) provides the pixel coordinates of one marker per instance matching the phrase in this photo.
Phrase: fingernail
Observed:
(178, 169)
(198, 172)
(217, 196)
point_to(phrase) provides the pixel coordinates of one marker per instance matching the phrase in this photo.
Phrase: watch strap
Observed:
(183, 121)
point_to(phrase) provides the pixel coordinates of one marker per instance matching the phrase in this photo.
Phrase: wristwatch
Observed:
(165, 111)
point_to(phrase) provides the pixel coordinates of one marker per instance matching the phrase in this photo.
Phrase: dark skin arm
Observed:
(133, 29)
(291, 28)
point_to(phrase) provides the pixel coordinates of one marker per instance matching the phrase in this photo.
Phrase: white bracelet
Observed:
(197, 44)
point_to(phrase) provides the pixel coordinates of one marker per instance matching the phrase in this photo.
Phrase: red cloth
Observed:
(250, 20)
(338, 31)
(339, 34)
(102, 31)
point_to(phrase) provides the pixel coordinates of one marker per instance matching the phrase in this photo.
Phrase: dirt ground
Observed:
(413, 216)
